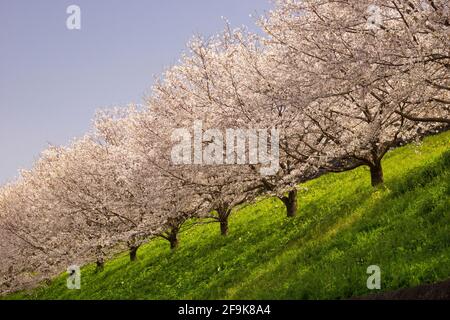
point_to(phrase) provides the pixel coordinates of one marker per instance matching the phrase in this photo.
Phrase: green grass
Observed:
(343, 226)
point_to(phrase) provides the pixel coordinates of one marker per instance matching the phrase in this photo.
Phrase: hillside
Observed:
(343, 226)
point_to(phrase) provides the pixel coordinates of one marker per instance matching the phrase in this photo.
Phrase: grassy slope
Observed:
(343, 226)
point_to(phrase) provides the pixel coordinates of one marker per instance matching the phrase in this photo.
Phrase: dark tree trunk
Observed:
(224, 227)
(223, 213)
(173, 238)
(133, 253)
(173, 242)
(171, 233)
(291, 203)
(100, 264)
(376, 174)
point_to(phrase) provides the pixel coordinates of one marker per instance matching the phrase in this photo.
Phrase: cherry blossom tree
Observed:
(144, 138)
(229, 82)
(39, 239)
(343, 63)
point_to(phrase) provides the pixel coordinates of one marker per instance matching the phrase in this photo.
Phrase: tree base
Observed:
(291, 203)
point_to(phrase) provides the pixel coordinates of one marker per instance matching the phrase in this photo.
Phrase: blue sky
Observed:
(53, 79)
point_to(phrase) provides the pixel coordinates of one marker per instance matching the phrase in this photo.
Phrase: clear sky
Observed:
(53, 79)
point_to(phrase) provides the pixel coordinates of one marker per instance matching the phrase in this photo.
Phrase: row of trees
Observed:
(342, 81)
